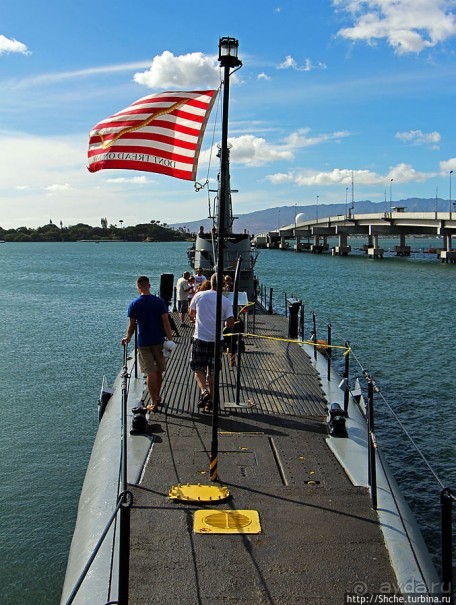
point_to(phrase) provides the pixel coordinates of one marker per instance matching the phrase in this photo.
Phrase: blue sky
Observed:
(328, 89)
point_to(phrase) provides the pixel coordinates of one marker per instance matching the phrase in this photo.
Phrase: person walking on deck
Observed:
(182, 290)
(150, 314)
(203, 310)
(199, 277)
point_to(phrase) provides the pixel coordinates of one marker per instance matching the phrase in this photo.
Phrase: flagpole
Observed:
(228, 48)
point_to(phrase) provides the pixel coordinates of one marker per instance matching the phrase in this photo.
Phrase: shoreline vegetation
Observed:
(145, 232)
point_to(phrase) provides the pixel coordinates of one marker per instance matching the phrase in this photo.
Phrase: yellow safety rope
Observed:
(293, 340)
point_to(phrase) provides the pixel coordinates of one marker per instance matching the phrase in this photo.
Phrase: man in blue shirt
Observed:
(150, 314)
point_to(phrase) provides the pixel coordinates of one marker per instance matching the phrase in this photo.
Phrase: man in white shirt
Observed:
(182, 290)
(203, 310)
(199, 277)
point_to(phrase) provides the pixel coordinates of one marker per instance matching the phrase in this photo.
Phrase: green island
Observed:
(144, 232)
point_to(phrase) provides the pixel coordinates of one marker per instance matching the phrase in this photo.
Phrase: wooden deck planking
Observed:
(276, 376)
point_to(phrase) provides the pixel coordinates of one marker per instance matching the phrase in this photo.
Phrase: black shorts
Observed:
(202, 357)
(182, 306)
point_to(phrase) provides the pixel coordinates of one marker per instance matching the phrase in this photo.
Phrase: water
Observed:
(64, 312)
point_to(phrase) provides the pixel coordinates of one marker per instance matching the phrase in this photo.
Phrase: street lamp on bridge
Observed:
(451, 172)
(391, 193)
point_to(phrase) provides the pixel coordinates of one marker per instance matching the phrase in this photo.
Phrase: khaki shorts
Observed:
(151, 359)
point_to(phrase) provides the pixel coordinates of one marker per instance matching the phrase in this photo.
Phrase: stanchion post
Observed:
(136, 352)
(238, 371)
(270, 300)
(346, 374)
(314, 336)
(446, 505)
(372, 470)
(124, 548)
(328, 351)
(125, 508)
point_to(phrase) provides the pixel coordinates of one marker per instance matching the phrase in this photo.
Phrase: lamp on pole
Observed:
(391, 193)
(228, 58)
(295, 234)
(346, 202)
(317, 207)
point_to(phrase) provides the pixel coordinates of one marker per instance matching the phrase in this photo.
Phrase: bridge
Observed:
(313, 235)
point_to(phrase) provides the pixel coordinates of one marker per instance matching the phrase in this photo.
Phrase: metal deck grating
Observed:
(277, 377)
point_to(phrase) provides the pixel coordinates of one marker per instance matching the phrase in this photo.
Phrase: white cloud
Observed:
(300, 138)
(9, 45)
(251, 150)
(256, 151)
(408, 26)
(135, 180)
(280, 177)
(402, 173)
(56, 188)
(181, 72)
(418, 137)
(63, 76)
(263, 76)
(290, 63)
(447, 165)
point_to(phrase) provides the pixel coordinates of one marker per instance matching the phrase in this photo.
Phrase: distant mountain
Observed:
(271, 218)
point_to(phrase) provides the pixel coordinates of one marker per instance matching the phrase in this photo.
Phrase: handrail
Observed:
(94, 553)
(123, 507)
(125, 510)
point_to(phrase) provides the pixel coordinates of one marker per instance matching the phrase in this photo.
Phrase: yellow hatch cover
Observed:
(198, 493)
(226, 522)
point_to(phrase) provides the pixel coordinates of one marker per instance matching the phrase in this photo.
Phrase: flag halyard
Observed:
(159, 133)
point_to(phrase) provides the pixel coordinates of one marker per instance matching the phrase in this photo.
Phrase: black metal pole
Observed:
(446, 502)
(270, 300)
(124, 539)
(238, 370)
(124, 548)
(372, 469)
(124, 423)
(136, 351)
(254, 318)
(213, 471)
(314, 333)
(328, 351)
(346, 374)
(237, 279)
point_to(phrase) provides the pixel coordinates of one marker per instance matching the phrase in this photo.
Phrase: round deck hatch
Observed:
(199, 493)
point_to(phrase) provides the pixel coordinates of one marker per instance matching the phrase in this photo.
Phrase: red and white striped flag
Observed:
(158, 133)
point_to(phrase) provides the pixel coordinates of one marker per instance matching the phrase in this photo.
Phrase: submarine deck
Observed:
(319, 538)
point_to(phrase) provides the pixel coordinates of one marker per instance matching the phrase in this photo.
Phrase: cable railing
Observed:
(122, 512)
(298, 320)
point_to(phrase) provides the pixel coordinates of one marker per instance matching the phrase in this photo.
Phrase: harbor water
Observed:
(63, 307)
